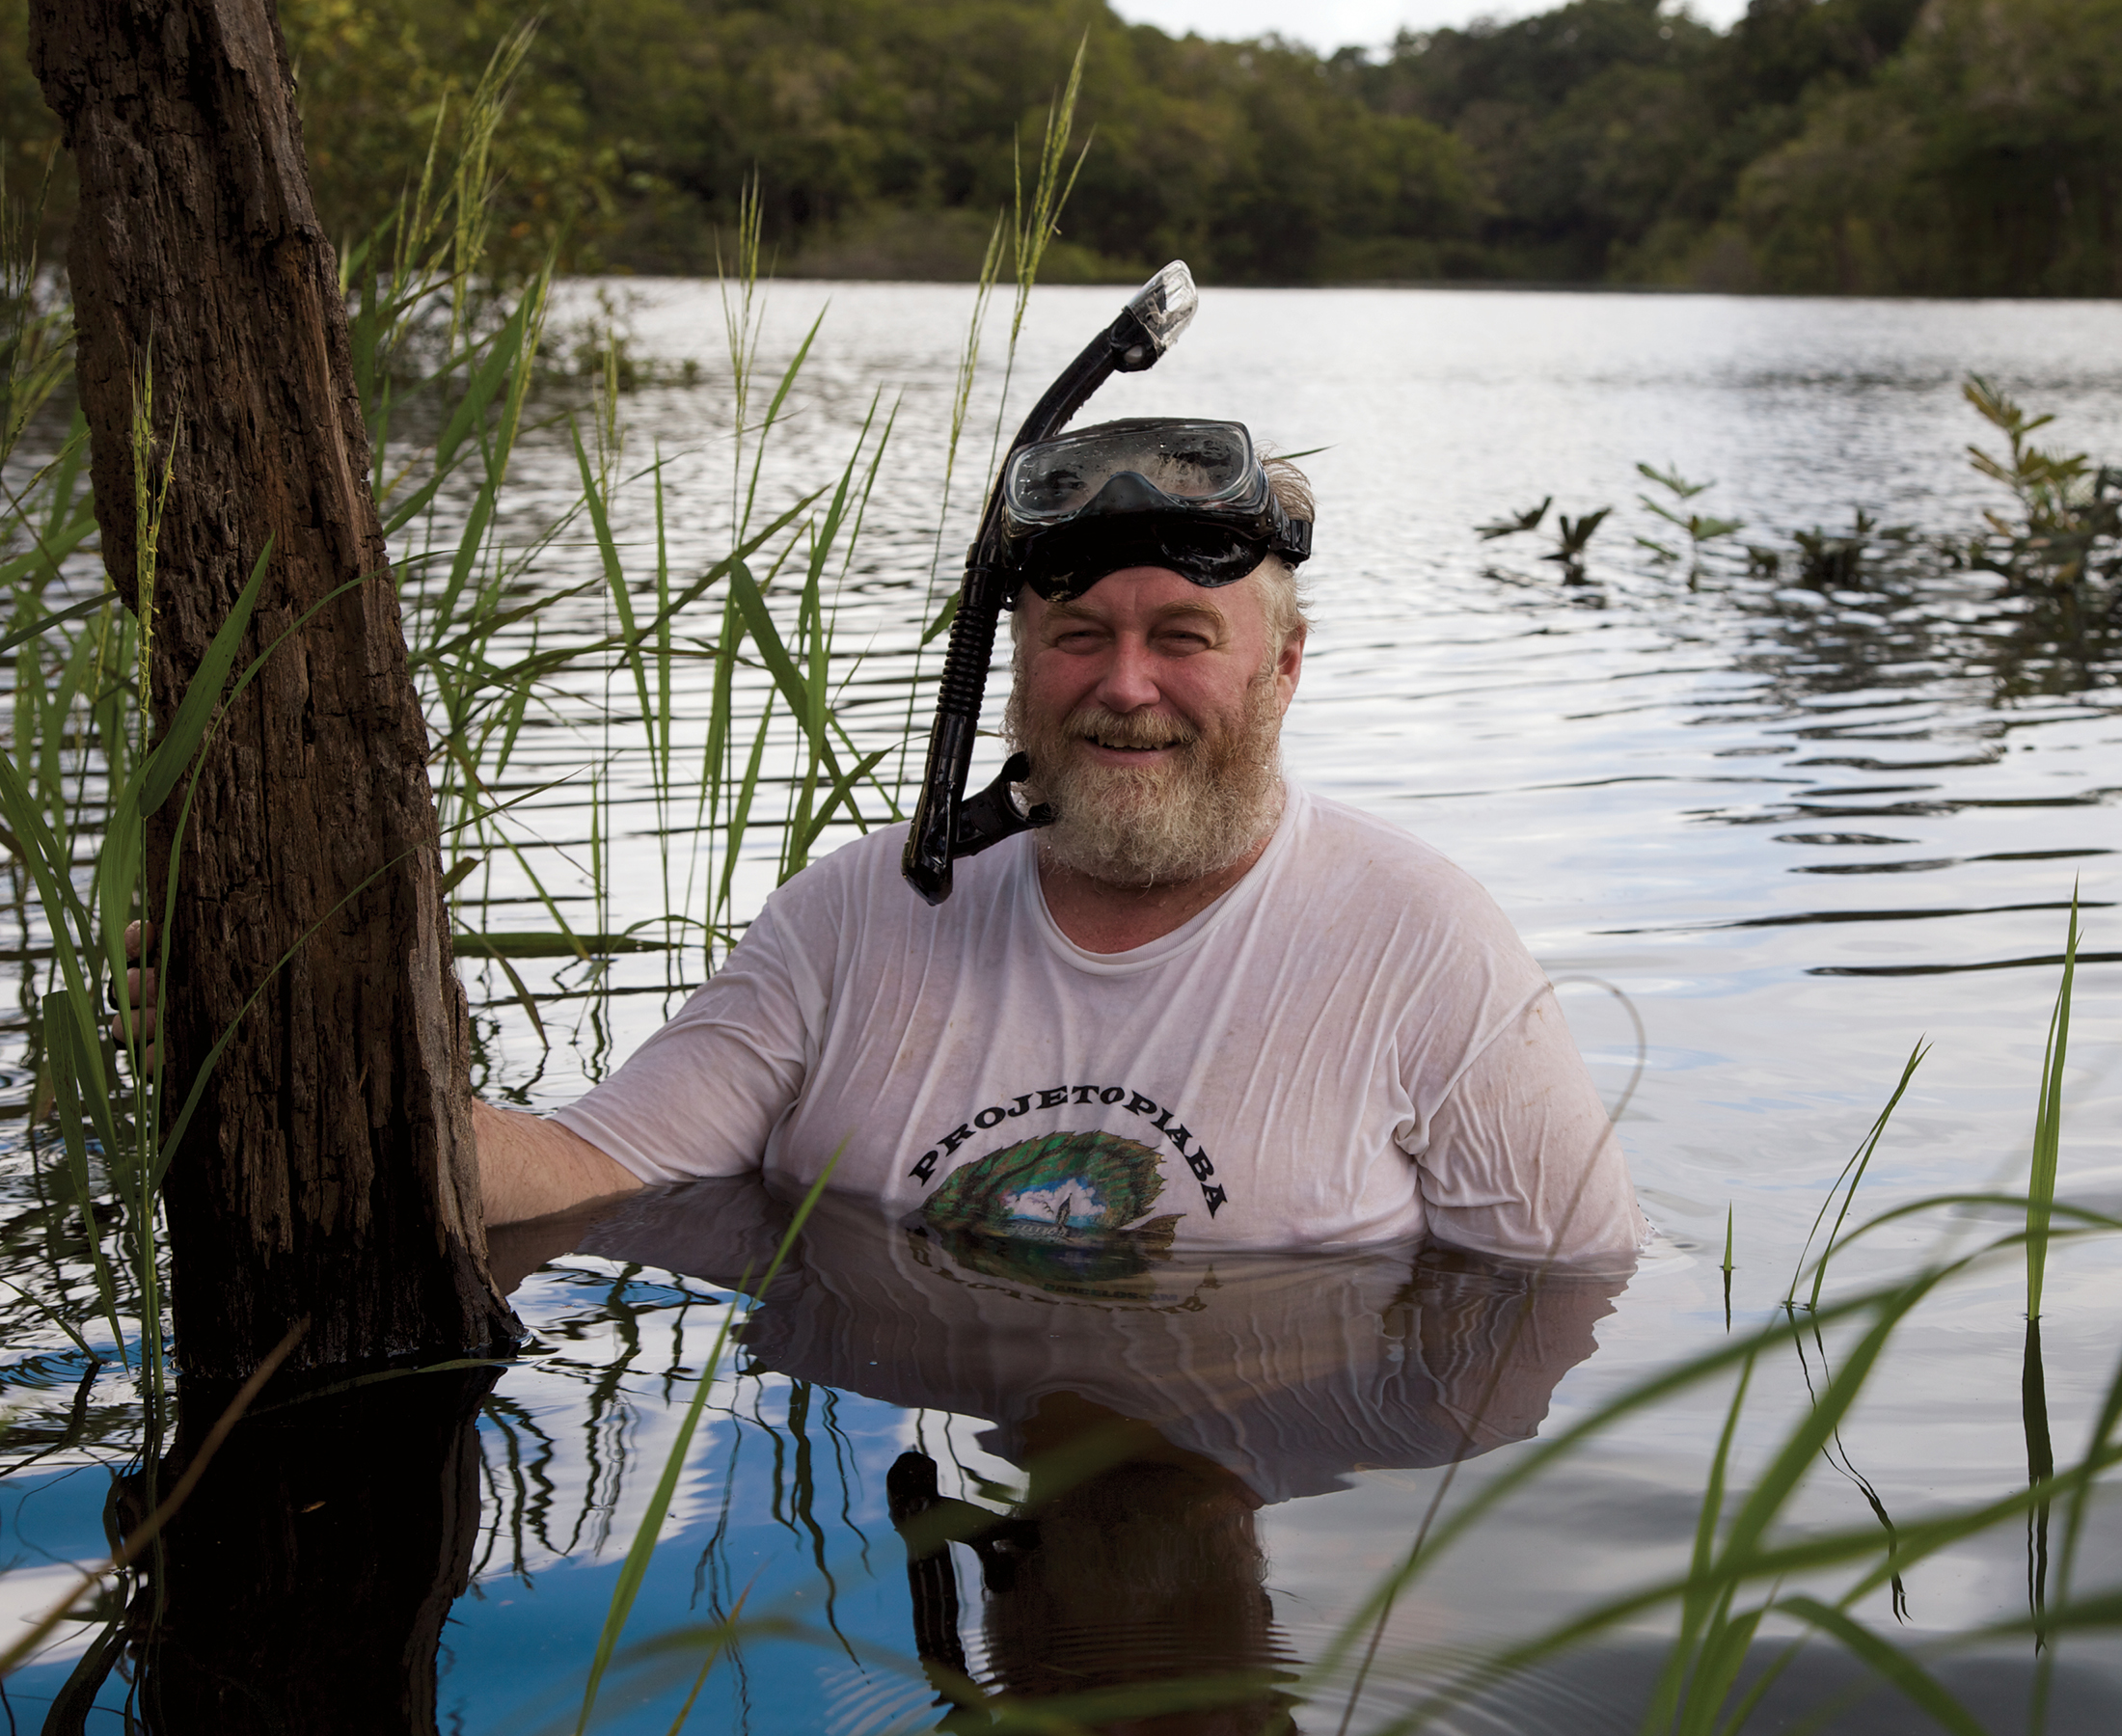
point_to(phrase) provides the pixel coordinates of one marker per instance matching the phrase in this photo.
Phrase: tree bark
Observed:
(330, 1171)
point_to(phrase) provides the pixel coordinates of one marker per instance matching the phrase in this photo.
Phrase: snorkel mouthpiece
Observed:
(1148, 326)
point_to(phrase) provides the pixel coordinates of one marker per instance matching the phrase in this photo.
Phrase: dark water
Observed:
(1789, 828)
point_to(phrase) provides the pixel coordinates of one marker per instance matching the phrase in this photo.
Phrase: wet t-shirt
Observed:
(1350, 1046)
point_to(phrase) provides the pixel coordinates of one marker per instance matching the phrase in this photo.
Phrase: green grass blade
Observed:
(2047, 1128)
(480, 628)
(1723, 1656)
(61, 1321)
(1891, 1303)
(64, 1040)
(72, 926)
(740, 818)
(470, 541)
(663, 712)
(44, 623)
(1889, 1660)
(634, 1568)
(1853, 1172)
(514, 674)
(163, 766)
(773, 649)
(716, 1647)
(469, 415)
(842, 790)
(1750, 1701)
(940, 625)
(615, 578)
(523, 995)
(520, 943)
(1807, 1556)
(1665, 1699)
(470, 771)
(774, 412)
(774, 653)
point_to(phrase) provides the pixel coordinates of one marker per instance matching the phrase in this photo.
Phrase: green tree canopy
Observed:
(1950, 146)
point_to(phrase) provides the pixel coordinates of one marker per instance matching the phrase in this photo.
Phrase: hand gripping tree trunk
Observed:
(330, 1171)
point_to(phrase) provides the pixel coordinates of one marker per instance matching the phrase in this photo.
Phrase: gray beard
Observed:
(1159, 825)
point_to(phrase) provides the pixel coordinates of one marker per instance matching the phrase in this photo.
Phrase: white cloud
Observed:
(1329, 24)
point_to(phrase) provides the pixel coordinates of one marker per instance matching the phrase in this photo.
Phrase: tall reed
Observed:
(2033, 1396)
(452, 378)
(1029, 227)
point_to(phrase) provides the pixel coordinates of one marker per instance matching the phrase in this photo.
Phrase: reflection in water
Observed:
(1129, 1562)
(304, 1584)
(1154, 1399)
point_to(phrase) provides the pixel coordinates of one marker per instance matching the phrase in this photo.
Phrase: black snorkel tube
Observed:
(945, 825)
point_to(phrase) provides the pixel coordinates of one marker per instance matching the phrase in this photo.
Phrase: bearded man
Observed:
(1200, 1005)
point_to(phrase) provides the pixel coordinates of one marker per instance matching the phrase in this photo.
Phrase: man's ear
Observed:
(1289, 662)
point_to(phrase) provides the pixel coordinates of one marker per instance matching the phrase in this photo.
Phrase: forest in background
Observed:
(1875, 146)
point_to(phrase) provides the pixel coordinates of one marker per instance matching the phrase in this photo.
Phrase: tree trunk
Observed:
(330, 1171)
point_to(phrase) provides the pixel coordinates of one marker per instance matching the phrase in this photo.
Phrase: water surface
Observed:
(1791, 830)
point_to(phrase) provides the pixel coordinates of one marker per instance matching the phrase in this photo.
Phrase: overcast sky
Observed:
(1329, 24)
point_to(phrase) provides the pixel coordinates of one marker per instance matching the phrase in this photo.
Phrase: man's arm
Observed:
(1522, 1159)
(528, 1167)
(531, 1167)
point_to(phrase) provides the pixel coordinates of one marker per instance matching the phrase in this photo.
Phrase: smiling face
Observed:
(1152, 710)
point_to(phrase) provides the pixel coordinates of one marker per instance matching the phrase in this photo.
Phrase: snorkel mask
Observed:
(1188, 496)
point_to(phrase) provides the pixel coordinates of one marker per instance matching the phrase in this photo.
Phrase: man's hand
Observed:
(531, 1167)
(140, 986)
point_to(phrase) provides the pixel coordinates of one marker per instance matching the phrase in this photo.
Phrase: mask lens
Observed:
(1196, 464)
(1044, 484)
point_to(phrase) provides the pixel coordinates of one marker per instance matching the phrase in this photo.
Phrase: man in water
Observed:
(1200, 1005)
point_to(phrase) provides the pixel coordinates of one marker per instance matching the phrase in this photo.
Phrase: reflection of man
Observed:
(1155, 1402)
(1287, 1370)
(1202, 1006)
(1137, 1568)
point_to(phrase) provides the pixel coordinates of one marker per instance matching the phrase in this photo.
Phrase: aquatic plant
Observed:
(1701, 528)
(2061, 545)
(1572, 535)
(2068, 531)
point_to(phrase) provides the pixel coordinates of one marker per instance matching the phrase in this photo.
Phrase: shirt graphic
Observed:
(1159, 1123)
(1060, 1209)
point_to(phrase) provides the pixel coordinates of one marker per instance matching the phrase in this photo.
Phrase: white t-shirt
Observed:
(1351, 1045)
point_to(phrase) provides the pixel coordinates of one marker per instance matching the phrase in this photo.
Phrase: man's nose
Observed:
(1129, 681)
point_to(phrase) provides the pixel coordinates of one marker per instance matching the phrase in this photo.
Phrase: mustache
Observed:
(1127, 729)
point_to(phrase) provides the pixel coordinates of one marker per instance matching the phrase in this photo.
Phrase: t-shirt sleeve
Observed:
(1522, 1160)
(701, 1095)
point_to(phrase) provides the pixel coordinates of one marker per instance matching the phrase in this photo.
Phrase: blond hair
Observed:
(1288, 595)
